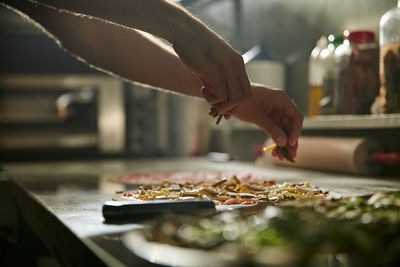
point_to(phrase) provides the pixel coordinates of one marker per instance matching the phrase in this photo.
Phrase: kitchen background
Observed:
(54, 106)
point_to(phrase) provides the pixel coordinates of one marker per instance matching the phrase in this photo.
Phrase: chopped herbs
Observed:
(214, 113)
(358, 231)
(284, 151)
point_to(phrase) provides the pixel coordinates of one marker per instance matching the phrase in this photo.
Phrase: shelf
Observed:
(349, 122)
(28, 118)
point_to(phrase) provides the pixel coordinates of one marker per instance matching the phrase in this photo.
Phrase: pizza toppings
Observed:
(227, 192)
(283, 150)
(215, 114)
(181, 177)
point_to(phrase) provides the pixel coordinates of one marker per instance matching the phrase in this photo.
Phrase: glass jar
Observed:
(329, 80)
(358, 73)
(315, 77)
(389, 40)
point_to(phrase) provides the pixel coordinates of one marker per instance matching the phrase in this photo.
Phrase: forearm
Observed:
(204, 52)
(159, 17)
(125, 52)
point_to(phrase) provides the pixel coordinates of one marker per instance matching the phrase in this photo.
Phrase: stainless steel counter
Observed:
(62, 201)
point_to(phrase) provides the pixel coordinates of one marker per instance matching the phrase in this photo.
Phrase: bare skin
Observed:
(201, 50)
(136, 56)
(126, 52)
(274, 112)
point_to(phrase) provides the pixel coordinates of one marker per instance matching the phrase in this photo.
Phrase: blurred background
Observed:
(53, 106)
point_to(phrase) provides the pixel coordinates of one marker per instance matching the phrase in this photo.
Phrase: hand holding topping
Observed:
(274, 112)
(219, 67)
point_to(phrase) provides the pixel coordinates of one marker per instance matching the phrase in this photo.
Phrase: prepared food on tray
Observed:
(226, 191)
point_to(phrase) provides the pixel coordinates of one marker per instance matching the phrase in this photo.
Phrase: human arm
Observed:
(202, 51)
(113, 51)
(126, 52)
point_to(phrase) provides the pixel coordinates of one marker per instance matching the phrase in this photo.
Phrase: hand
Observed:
(274, 112)
(219, 67)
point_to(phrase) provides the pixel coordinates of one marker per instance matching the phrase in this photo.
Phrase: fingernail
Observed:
(280, 141)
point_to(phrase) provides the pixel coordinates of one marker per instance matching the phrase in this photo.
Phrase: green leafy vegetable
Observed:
(284, 151)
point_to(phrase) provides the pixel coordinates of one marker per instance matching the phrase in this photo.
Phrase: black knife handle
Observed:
(128, 210)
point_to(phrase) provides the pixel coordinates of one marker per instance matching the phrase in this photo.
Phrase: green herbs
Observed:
(363, 230)
(284, 151)
(214, 113)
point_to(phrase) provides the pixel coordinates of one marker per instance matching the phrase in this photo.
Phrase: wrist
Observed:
(178, 24)
(248, 108)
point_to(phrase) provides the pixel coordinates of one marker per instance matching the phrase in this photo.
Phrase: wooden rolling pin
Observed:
(347, 155)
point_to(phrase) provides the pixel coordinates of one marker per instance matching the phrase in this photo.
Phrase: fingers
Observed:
(235, 96)
(234, 83)
(292, 122)
(226, 107)
(275, 153)
(275, 132)
(295, 127)
(229, 88)
(288, 118)
(292, 151)
(213, 111)
(219, 67)
(228, 102)
(208, 95)
(295, 131)
(208, 92)
(220, 91)
(245, 83)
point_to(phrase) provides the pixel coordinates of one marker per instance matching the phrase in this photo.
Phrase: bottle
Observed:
(261, 67)
(389, 40)
(357, 62)
(315, 77)
(329, 81)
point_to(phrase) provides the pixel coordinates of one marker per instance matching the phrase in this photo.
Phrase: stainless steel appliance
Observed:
(59, 115)
(91, 116)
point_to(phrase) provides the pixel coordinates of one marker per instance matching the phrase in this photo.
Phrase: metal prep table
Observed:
(59, 203)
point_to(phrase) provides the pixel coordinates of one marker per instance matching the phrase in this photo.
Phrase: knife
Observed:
(114, 211)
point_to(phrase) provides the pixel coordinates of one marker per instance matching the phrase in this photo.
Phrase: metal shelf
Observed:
(334, 122)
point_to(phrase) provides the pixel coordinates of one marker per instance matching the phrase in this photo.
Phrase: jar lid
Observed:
(336, 39)
(361, 37)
